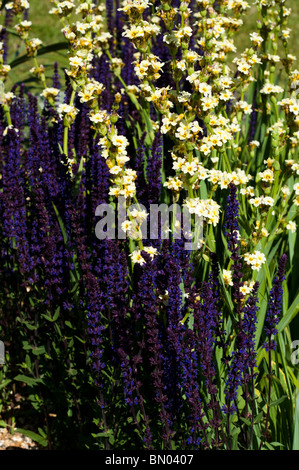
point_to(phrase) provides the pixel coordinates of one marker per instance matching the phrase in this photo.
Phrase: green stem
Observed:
(65, 139)
(7, 115)
(43, 80)
(268, 403)
(226, 161)
(66, 126)
(274, 102)
(144, 116)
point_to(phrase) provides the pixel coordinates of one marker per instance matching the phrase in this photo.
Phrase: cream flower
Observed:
(137, 257)
(227, 277)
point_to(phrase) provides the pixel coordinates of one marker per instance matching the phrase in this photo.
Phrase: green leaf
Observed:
(27, 380)
(276, 444)
(58, 46)
(269, 446)
(290, 315)
(278, 401)
(259, 417)
(28, 325)
(292, 377)
(61, 224)
(12, 31)
(58, 330)
(107, 433)
(35, 437)
(27, 346)
(80, 339)
(75, 287)
(28, 361)
(203, 190)
(78, 176)
(246, 421)
(262, 310)
(4, 383)
(296, 426)
(55, 316)
(39, 350)
(268, 274)
(292, 241)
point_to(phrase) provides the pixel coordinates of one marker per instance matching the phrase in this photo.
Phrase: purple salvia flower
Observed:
(187, 344)
(97, 186)
(239, 358)
(119, 22)
(122, 113)
(14, 207)
(82, 131)
(161, 50)
(139, 166)
(132, 394)
(131, 398)
(5, 35)
(137, 354)
(232, 234)
(46, 241)
(115, 285)
(196, 414)
(253, 118)
(2, 138)
(215, 288)
(110, 22)
(78, 225)
(96, 334)
(41, 174)
(153, 170)
(56, 77)
(18, 110)
(68, 89)
(104, 77)
(96, 325)
(128, 73)
(176, 3)
(146, 287)
(48, 162)
(242, 365)
(207, 328)
(168, 287)
(248, 329)
(275, 305)
(125, 346)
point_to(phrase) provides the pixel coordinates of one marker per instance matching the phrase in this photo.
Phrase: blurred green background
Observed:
(47, 28)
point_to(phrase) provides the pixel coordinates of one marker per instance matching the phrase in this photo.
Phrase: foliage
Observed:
(137, 341)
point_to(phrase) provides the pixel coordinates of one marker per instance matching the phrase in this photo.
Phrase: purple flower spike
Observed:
(275, 305)
(232, 235)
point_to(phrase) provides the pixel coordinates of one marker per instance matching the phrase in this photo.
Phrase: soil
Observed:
(15, 441)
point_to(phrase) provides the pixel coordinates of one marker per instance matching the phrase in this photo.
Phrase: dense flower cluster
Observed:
(275, 305)
(152, 110)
